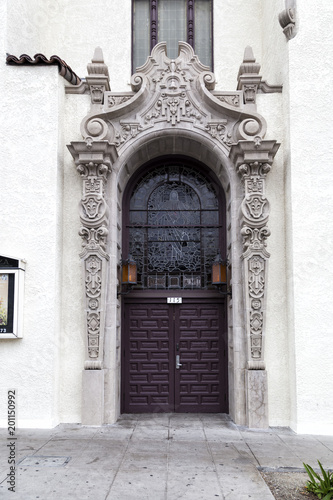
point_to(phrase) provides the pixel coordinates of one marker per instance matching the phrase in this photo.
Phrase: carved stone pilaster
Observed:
(255, 211)
(93, 162)
(252, 162)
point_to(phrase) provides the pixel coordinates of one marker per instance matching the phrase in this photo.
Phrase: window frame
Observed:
(190, 27)
(15, 268)
(191, 164)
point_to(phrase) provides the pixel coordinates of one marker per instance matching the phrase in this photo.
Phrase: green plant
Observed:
(320, 486)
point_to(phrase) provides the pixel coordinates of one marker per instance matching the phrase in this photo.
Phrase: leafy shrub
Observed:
(320, 486)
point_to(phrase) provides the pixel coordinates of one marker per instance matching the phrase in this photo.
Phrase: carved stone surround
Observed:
(178, 96)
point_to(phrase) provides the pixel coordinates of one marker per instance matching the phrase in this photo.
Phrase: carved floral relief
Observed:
(179, 93)
(255, 212)
(93, 162)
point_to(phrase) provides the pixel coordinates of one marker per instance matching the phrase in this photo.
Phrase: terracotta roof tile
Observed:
(64, 70)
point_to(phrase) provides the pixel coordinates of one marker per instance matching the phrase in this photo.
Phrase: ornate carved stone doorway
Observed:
(173, 109)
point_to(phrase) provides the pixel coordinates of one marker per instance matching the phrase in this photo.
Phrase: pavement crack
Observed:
(121, 461)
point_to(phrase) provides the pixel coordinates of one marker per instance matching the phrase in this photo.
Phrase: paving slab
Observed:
(115, 433)
(190, 455)
(57, 483)
(240, 482)
(155, 457)
(150, 433)
(150, 484)
(193, 485)
(101, 454)
(187, 434)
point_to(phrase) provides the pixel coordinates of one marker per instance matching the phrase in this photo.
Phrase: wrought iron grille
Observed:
(174, 228)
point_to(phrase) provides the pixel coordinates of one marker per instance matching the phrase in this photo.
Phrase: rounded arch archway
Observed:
(174, 224)
(174, 329)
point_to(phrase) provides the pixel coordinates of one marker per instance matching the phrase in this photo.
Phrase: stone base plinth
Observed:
(93, 397)
(256, 399)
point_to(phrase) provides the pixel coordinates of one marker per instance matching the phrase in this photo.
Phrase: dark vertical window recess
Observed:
(7, 284)
(172, 21)
(174, 228)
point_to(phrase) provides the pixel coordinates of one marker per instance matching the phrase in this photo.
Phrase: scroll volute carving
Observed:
(170, 94)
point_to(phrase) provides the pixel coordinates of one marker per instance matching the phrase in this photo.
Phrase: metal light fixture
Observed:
(220, 274)
(128, 271)
(219, 270)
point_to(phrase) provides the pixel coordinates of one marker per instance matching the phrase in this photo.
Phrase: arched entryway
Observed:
(174, 321)
(173, 109)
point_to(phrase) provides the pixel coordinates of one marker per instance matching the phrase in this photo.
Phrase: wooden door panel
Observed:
(151, 381)
(148, 386)
(202, 376)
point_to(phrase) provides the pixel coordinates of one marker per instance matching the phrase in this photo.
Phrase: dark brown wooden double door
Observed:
(174, 356)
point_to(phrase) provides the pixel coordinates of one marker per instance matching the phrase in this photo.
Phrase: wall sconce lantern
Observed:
(128, 275)
(128, 272)
(220, 273)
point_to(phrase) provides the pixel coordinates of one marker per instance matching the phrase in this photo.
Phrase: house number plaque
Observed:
(174, 300)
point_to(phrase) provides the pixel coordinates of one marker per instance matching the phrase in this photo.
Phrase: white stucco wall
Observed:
(236, 25)
(72, 353)
(271, 106)
(72, 29)
(41, 189)
(31, 229)
(310, 224)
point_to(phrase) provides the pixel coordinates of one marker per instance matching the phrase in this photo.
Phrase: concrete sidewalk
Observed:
(154, 457)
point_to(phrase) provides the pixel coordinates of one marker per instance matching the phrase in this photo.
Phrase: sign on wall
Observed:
(11, 297)
(174, 300)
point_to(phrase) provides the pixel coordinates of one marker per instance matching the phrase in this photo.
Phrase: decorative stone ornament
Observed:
(93, 162)
(287, 19)
(172, 93)
(248, 77)
(176, 98)
(98, 77)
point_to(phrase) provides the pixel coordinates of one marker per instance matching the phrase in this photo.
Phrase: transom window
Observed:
(174, 228)
(172, 21)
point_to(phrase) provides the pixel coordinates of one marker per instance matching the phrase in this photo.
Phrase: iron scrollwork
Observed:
(174, 228)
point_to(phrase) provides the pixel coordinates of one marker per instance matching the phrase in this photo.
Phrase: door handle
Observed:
(178, 364)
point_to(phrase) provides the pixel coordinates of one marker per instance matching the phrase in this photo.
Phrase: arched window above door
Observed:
(174, 228)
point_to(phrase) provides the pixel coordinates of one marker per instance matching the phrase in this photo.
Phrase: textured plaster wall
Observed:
(276, 331)
(236, 25)
(270, 106)
(72, 29)
(274, 45)
(31, 229)
(73, 326)
(309, 210)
